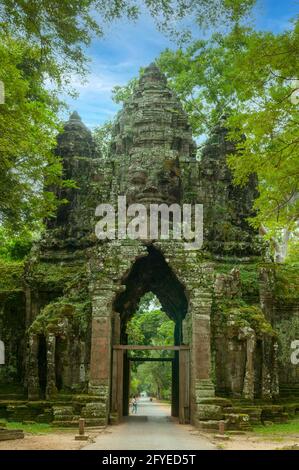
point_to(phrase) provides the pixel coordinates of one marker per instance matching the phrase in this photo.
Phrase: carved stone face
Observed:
(154, 183)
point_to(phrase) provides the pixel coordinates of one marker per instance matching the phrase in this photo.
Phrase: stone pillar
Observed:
(248, 386)
(32, 305)
(100, 356)
(202, 387)
(267, 368)
(51, 390)
(201, 352)
(275, 371)
(82, 370)
(32, 379)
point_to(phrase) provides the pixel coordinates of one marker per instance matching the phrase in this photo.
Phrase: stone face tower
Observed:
(151, 136)
(76, 148)
(80, 291)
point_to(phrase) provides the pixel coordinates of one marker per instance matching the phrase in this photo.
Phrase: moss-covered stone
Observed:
(11, 276)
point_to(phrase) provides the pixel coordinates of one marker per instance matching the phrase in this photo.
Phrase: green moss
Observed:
(249, 276)
(237, 314)
(11, 276)
(53, 275)
(51, 317)
(74, 307)
(250, 281)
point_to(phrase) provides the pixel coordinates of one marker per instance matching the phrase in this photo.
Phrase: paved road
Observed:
(151, 429)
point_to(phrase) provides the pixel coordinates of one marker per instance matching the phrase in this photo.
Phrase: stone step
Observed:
(65, 424)
(237, 421)
(254, 413)
(218, 401)
(210, 425)
(95, 422)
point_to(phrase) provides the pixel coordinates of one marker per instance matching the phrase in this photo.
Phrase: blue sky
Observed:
(127, 46)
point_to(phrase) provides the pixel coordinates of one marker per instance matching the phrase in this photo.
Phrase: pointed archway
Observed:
(149, 273)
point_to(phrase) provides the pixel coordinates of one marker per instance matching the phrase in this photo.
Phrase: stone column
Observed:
(201, 354)
(248, 386)
(51, 390)
(275, 371)
(100, 355)
(82, 371)
(32, 379)
(267, 368)
(32, 305)
(100, 364)
(101, 339)
(202, 387)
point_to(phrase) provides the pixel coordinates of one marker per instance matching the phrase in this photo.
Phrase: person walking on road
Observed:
(134, 405)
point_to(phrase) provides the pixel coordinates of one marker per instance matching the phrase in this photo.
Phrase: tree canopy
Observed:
(28, 125)
(247, 77)
(151, 326)
(42, 44)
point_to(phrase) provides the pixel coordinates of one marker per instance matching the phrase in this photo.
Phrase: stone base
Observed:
(204, 389)
(81, 437)
(95, 414)
(237, 421)
(209, 412)
(209, 425)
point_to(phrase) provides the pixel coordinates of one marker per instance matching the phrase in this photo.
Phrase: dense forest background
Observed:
(151, 326)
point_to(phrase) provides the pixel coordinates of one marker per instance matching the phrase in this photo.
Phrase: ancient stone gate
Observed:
(76, 293)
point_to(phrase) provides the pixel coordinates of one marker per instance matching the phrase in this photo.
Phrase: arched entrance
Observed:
(121, 273)
(150, 273)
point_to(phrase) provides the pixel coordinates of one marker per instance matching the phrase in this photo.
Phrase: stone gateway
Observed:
(63, 315)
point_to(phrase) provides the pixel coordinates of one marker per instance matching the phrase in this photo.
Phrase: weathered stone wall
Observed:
(244, 341)
(280, 298)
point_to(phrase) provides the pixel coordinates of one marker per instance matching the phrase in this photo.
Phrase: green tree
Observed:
(249, 76)
(102, 136)
(154, 378)
(28, 125)
(151, 326)
(44, 42)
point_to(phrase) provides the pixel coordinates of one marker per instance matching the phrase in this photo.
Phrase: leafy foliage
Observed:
(102, 136)
(15, 248)
(28, 125)
(11, 276)
(248, 75)
(44, 43)
(151, 326)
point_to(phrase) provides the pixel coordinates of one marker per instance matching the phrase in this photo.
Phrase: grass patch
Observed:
(35, 428)
(292, 427)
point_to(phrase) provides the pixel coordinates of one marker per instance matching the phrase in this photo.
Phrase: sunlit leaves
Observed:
(248, 76)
